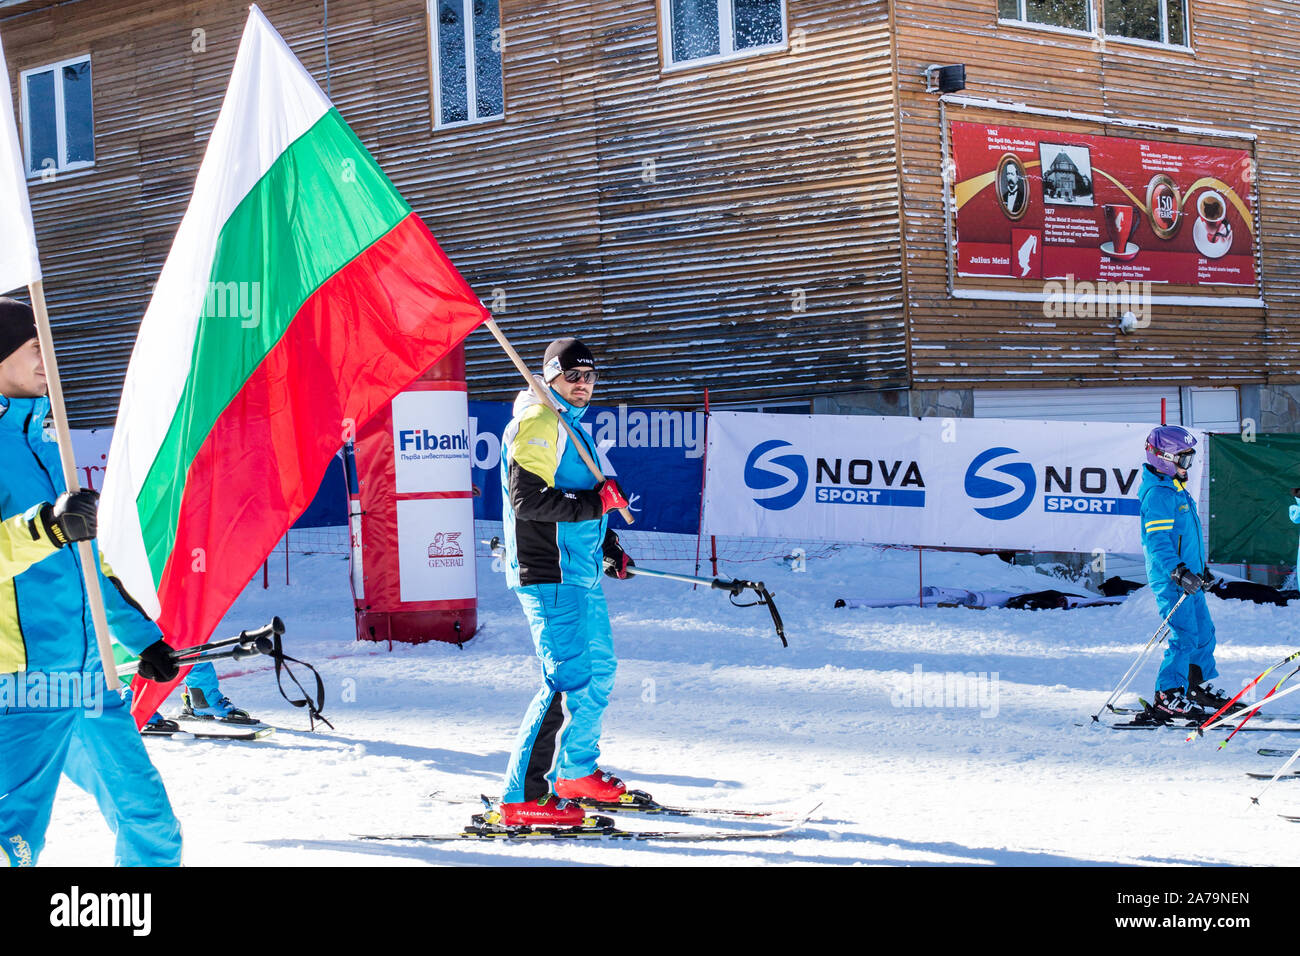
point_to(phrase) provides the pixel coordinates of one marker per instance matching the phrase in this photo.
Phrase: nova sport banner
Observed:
(939, 482)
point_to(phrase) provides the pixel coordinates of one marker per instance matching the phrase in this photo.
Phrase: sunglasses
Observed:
(573, 376)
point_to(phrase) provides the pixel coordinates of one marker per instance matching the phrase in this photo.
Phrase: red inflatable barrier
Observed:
(412, 515)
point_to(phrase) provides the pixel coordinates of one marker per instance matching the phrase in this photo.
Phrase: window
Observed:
(466, 41)
(1158, 21)
(58, 119)
(1067, 14)
(721, 29)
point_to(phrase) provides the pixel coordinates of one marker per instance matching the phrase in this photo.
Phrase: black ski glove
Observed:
(157, 663)
(72, 517)
(616, 560)
(1187, 579)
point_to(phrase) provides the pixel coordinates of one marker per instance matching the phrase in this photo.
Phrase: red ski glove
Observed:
(616, 561)
(611, 496)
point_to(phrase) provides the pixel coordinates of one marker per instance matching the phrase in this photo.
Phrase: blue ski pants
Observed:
(560, 734)
(204, 677)
(1191, 638)
(101, 753)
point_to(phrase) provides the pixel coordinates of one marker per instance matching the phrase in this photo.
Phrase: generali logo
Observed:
(445, 550)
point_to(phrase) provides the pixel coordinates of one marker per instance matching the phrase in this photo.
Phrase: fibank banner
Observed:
(945, 482)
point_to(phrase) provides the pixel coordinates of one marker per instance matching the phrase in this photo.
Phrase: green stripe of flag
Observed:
(322, 203)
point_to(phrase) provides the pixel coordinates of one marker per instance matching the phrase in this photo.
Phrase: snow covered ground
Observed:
(710, 709)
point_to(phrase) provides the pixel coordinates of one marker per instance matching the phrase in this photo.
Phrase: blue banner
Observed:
(657, 454)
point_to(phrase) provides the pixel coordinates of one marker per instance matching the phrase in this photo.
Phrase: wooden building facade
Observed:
(743, 195)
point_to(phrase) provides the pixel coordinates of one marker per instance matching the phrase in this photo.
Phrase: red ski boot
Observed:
(549, 811)
(598, 787)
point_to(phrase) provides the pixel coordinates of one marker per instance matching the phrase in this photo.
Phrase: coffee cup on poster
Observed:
(1121, 220)
(1213, 210)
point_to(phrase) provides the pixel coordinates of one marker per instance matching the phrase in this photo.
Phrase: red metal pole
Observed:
(699, 529)
(1163, 420)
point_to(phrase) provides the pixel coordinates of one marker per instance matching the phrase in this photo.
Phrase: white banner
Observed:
(435, 549)
(431, 445)
(940, 482)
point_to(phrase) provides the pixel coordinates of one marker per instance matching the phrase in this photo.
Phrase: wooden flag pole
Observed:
(545, 396)
(89, 571)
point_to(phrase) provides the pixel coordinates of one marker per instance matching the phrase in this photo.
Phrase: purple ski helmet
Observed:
(1170, 449)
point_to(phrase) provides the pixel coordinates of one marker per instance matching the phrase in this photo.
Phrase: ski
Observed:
(1286, 717)
(599, 828)
(640, 803)
(1188, 726)
(211, 730)
(1259, 775)
(1273, 752)
(1287, 816)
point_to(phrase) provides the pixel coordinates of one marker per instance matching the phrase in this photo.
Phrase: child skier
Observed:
(1175, 559)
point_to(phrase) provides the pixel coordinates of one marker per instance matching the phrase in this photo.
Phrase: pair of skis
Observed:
(486, 826)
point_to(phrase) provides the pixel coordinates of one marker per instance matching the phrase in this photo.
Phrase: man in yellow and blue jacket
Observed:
(1175, 560)
(558, 544)
(56, 714)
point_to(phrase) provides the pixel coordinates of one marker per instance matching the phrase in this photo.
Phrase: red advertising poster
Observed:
(1042, 204)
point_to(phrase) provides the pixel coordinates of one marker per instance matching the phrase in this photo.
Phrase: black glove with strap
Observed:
(72, 517)
(616, 560)
(157, 663)
(1187, 579)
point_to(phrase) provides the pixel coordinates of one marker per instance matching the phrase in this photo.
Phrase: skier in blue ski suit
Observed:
(557, 543)
(1293, 512)
(1175, 562)
(47, 640)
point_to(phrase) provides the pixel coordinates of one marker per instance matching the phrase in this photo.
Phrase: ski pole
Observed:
(1232, 718)
(1127, 679)
(247, 644)
(1254, 710)
(1268, 670)
(734, 587)
(1281, 770)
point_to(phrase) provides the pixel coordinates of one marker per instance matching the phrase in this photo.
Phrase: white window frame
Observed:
(471, 77)
(1023, 21)
(726, 39)
(61, 164)
(1097, 28)
(1164, 29)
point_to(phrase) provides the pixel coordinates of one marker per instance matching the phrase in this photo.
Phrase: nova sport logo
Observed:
(782, 479)
(1012, 495)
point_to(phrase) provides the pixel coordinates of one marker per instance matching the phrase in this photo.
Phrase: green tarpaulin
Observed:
(1250, 492)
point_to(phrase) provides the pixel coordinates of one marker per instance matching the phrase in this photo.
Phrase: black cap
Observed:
(564, 354)
(17, 326)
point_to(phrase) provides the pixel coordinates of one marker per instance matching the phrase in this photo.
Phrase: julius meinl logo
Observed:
(779, 475)
(77, 909)
(1007, 483)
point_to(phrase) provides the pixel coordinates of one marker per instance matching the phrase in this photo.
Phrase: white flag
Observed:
(18, 263)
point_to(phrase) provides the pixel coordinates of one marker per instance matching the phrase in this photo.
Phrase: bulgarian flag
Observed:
(19, 265)
(300, 295)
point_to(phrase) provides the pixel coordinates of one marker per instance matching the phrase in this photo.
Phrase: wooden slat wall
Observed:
(772, 174)
(1242, 78)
